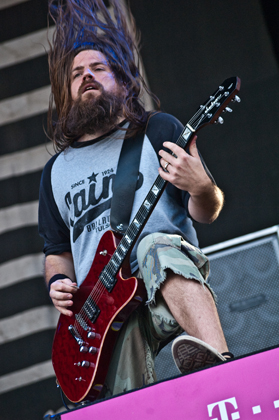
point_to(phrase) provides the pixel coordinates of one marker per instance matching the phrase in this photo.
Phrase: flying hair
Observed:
(90, 24)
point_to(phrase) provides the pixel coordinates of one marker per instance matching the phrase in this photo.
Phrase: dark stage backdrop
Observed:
(188, 49)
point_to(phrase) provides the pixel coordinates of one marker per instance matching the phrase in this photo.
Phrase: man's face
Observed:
(90, 70)
(97, 97)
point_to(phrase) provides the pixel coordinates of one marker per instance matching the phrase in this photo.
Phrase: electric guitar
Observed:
(83, 344)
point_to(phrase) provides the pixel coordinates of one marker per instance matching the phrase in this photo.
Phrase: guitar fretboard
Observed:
(107, 276)
(206, 114)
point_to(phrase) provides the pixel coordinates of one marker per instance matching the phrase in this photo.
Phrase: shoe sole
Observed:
(193, 355)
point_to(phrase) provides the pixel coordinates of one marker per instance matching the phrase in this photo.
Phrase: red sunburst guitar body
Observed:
(81, 367)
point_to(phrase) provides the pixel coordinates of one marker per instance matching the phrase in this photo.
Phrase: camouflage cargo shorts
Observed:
(132, 365)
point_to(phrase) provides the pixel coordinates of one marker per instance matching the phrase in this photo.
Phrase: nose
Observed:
(88, 74)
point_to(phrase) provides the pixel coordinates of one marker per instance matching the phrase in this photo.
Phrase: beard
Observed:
(94, 114)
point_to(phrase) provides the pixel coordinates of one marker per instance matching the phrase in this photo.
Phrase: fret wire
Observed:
(111, 268)
(133, 230)
(152, 198)
(142, 213)
(124, 241)
(182, 142)
(118, 257)
(130, 231)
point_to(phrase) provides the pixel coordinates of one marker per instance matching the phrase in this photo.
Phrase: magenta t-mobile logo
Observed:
(225, 406)
(223, 410)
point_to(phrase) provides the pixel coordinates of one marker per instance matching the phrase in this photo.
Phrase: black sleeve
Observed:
(52, 228)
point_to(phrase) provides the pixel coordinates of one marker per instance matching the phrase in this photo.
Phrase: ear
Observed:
(123, 85)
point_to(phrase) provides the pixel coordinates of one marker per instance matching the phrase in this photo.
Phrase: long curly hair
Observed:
(88, 24)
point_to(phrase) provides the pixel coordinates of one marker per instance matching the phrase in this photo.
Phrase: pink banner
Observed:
(246, 389)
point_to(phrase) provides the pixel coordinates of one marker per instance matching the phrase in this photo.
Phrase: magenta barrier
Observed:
(247, 388)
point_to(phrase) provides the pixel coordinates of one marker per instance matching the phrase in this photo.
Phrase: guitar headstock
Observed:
(210, 111)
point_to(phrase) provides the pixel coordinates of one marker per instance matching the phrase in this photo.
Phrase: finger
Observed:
(164, 173)
(167, 158)
(65, 285)
(63, 306)
(64, 311)
(174, 148)
(63, 303)
(61, 294)
(165, 164)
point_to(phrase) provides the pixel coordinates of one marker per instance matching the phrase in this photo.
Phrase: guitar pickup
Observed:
(108, 280)
(91, 309)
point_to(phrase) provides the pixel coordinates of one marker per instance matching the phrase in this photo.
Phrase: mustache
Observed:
(96, 84)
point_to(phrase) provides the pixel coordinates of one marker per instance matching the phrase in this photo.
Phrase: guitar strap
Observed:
(125, 183)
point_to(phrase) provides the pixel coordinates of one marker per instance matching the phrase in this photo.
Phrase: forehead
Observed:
(87, 57)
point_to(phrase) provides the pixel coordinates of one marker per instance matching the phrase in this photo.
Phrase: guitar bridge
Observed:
(76, 335)
(82, 322)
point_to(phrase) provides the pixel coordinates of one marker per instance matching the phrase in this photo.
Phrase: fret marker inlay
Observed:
(155, 190)
(147, 205)
(136, 223)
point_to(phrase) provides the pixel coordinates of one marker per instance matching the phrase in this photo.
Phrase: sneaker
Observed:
(190, 353)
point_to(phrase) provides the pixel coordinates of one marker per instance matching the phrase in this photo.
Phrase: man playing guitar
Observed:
(96, 89)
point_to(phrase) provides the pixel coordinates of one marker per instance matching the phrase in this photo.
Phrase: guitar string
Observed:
(99, 288)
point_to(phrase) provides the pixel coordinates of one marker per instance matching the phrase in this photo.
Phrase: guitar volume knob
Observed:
(85, 364)
(83, 349)
(93, 350)
(92, 334)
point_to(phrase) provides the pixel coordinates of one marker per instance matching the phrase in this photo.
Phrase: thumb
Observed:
(193, 151)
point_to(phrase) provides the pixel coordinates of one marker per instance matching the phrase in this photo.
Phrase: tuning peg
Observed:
(219, 120)
(227, 109)
(236, 99)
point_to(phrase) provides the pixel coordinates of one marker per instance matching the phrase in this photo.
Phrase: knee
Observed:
(146, 244)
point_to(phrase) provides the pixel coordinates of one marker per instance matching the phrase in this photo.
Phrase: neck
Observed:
(99, 133)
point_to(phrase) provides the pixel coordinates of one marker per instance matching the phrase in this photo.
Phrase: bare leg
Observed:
(193, 307)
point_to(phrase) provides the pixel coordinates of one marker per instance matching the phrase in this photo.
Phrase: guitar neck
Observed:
(208, 113)
(148, 205)
(135, 228)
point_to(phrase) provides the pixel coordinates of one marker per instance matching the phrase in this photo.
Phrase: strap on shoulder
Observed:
(125, 182)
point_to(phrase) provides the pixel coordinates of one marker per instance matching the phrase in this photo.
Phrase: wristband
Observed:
(56, 277)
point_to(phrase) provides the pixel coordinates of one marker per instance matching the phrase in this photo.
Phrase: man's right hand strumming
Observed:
(61, 293)
(62, 290)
